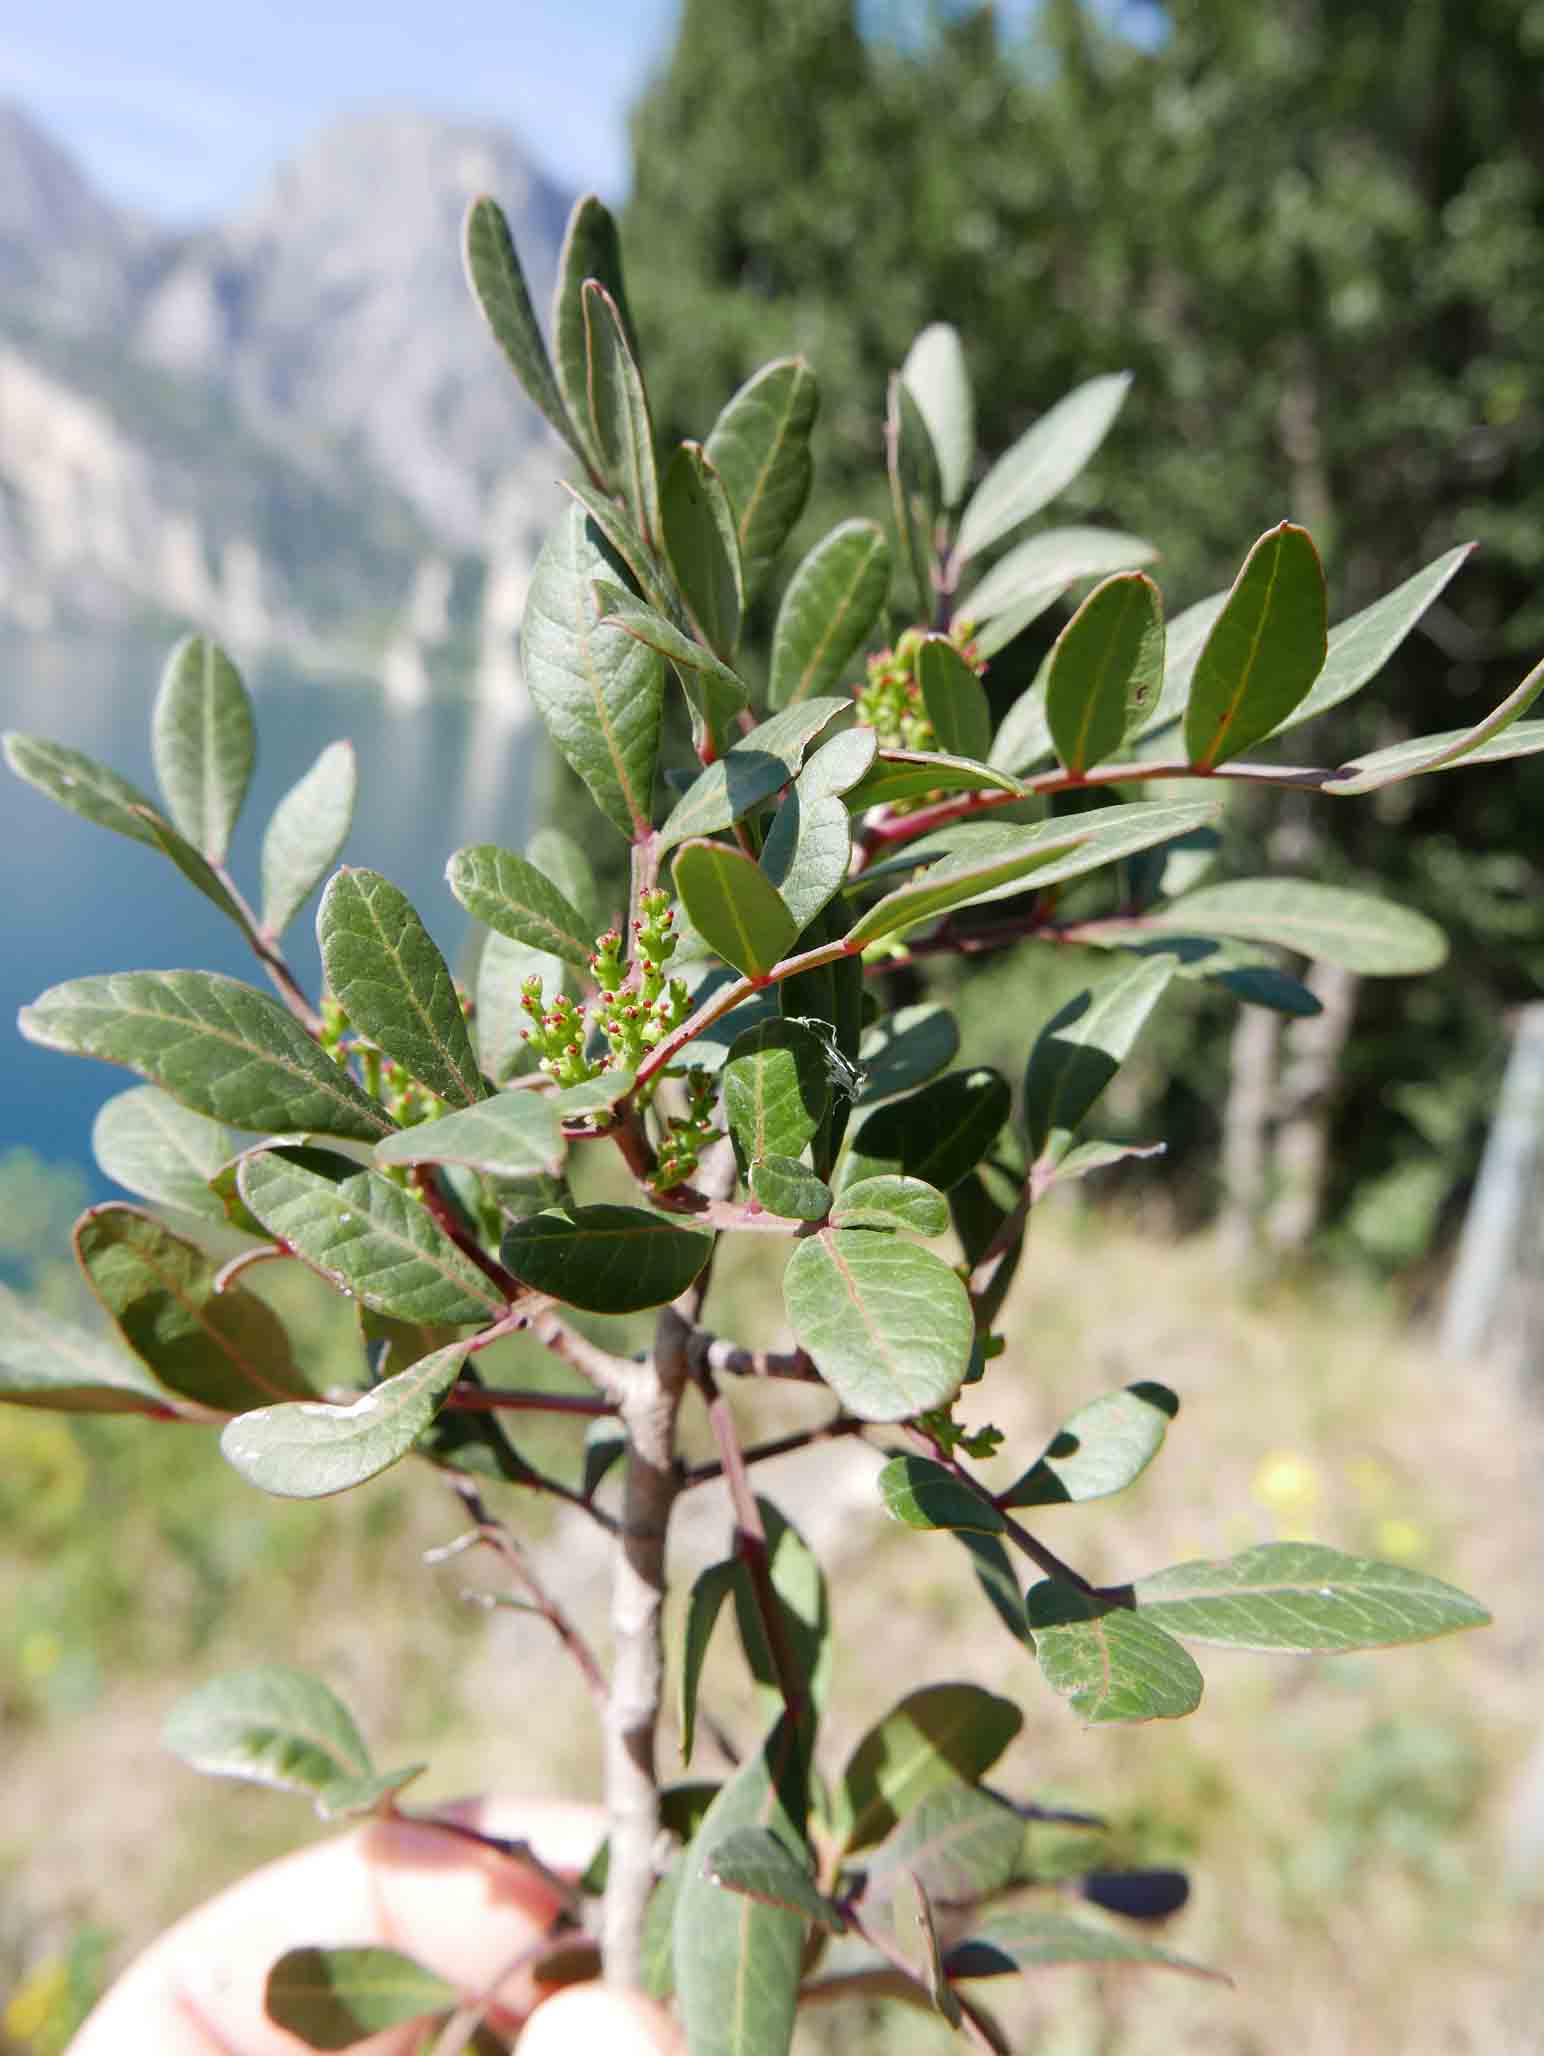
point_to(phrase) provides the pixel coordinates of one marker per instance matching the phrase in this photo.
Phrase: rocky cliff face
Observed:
(289, 428)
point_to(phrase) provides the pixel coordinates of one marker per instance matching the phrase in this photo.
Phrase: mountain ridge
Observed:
(288, 426)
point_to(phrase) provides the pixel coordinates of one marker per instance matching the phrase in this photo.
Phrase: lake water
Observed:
(75, 899)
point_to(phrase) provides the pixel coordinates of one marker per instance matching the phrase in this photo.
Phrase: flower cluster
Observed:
(636, 1009)
(890, 698)
(407, 1102)
(686, 1137)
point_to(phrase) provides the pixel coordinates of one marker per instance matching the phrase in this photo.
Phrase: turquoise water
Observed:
(75, 899)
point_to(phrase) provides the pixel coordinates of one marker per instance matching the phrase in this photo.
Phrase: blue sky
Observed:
(181, 107)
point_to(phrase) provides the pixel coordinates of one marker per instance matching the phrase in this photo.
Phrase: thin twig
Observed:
(750, 1541)
(783, 1445)
(265, 947)
(732, 996)
(497, 1537)
(1036, 1551)
(445, 1217)
(728, 1359)
(898, 828)
(614, 1377)
(502, 1399)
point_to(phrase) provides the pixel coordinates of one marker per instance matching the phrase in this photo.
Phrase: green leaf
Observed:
(564, 862)
(1100, 1449)
(351, 1798)
(887, 1323)
(1023, 737)
(636, 557)
(800, 1585)
(1099, 1156)
(591, 249)
(789, 1189)
(215, 1044)
(396, 988)
(513, 897)
(194, 866)
(509, 1136)
(937, 1134)
(990, 859)
(1322, 921)
(332, 1998)
(909, 774)
(1038, 571)
(80, 783)
(499, 1020)
(775, 1090)
(892, 1202)
(605, 1445)
(203, 743)
(1023, 1938)
(1266, 648)
(147, 1142)
(1302, 1597)
(833, 600)
(599, 691)
(916, 489)
(737, 1962)
(701, 540)
(658, 1944)
(907, 1047)
(930, 1973)
(1462, 745)
(1454, 747)
(619, 409)
(305, 834)
(1186, 638)
(958, 1842)
(1044, 460)
(749, 773)
(921, 1494)
(753, 1861)
(710, 1588)
(1109, 1662)
(223, 1349)
(593, 1096)
(937, 380)
(936, 1737)
(1360, 646)
(366, 1234)
(1106, 670)
(311, 1450)
(1080, 1050)
(272, 1726)
(52, 1363)
(840, 764)
(1262, 985)
(734, 906)
(605, 1259)
(760, 448)
(809, 845)
(499, 287)
(807, 851)
(715, 693)
(954, 698)
(999, 1582)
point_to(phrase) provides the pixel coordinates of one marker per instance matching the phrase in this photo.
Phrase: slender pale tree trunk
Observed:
(1306, 1097)
(1246, 1132)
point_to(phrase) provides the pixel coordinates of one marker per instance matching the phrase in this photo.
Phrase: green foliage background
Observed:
(1316, 235)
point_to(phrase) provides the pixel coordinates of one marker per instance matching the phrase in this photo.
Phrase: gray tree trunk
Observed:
(1305, 1106)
